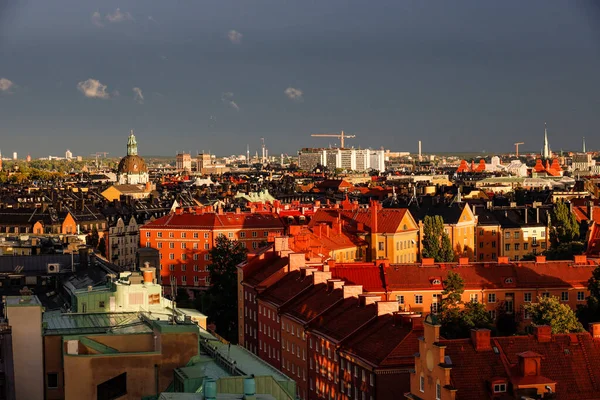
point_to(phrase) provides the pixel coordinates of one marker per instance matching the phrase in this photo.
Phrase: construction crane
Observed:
(340, 136)
(517, 147)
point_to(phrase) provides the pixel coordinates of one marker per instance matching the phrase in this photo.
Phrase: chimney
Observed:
(320, 277)
(373, 208)
(580, 259)
(317, 203)
(366, 299)
(352, 290)
(238, 210)
(481, 339)
(540, 259)
(330, 264)
(537, 215)
(387, 307)
(594, 328)
(503, 260)
(427, 261)
(333, 284)
(590, 210)
(463, 261)
(525, 213)
(297, 261)
(307, 271)
(281, 244)
(543, 333)
(530, 363)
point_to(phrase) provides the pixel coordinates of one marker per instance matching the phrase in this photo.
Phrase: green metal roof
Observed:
(57, 323)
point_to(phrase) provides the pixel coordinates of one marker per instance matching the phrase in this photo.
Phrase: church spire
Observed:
(546, 150)
(131, 145)
(584, 145)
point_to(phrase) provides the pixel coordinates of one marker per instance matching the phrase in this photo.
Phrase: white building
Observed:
(68, 154)
(122, 243)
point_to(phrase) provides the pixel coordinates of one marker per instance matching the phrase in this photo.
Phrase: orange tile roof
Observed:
(388, 219)
(190, 220)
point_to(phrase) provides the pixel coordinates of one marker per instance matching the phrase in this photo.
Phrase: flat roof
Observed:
(58, 323)
(22, 301)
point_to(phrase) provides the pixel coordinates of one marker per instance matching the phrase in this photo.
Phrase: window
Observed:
(171, 256)
(372, 379)
(507, 235)
(101, 304)
(564, 296)
(184, 257)
(183, 235)
(438, 390)
(254, 245)
(195, 268)
(500, 388)
(474, 297)
(195, 245)
(195, 235)
(491, 297)
(183, 278)
(206, 257)
(481, 232)
(171, 235)
(481, 245)
(159, 234)
(381, 248)
(254, 234)
(183, 267)
(418, 299)
(517, 235)
(242, 235)
(206, 246)
(183, 245)
(507, 247)
(517, 246)
(508, 280)
(492, 314)
(422, 383)
(266, 234)
(493, 233)
(400, 299)
(546, 294)
(147, 235)
(493, 244)
(525, 246)
(112, 388)
(206, 235)
(171, 245)
(527, 297)
(580, 296)
(230, 235)
(159, 244)
(52, 380)
(195, 256)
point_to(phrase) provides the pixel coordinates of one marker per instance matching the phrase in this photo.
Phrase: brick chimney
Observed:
(481, 339)
(503, 260)
(540, 259)
(374, 208)
(320, 277)
(530, 363)
(463, 261)
(297, 261)
(543, 333)
(366, 299)
(594, 328)
(427, 261)
(333, 284)
(580, 259)
(281, 244)
(386, 307)
(351, 291)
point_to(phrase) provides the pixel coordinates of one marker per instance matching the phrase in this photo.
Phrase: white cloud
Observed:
(97, 19)
(118, 16)
(93, 89)
(294, 94)
(5, 85)
(235, 37)
(138, 95)
(227, 98)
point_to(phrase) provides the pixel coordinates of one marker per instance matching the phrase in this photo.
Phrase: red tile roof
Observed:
(388, 219)
(312, 302)
(385, 342)
(257, 269)
(343, 319)
(477, 276)
(286, 288)
(569, 360)
(189, 220)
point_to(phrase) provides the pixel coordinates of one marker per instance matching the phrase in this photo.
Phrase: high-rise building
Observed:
(68, 154)
(183, 162)
(15, 155)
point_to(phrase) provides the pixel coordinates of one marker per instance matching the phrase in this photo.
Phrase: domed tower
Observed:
(132, 169)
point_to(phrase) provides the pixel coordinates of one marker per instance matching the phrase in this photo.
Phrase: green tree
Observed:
(549, 311)
(565, 228)
(219, 302)
(436, 242)
(564, 251)
(590, 312)
(458, 318)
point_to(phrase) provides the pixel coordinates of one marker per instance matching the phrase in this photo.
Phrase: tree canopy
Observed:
(565, 228)
(550, 311)
(458, 318)
(219, 302)
(436, 242)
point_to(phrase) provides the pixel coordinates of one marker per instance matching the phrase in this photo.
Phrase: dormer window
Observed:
(508, 280)
(436, 282)
(500, 388)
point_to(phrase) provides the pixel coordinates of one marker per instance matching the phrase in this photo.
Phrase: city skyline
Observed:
(219, 75)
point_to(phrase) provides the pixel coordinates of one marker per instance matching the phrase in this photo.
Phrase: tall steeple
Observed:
(584, 145)
(546, 150)
(131, 145)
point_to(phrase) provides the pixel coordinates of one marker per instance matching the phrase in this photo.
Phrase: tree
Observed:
(565, 228)
(549, 311)
(102, 246)
(459, 318)
(590, 312)
(93, 238)
(436, 242)
(220, 300)
(564, 251)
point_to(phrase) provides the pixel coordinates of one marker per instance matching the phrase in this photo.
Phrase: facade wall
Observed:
(122, 243)
(184, 253)
(357, 379)
(26, 323)
(251, 317)
(323, 368)
(517, 242)
(293, 354)
(488, 243)
(53, 365)
(269, 334)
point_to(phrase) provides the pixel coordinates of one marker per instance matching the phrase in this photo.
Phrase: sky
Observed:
(217, 75)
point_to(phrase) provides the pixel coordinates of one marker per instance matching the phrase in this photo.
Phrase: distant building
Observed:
(132, 169)
(15, 156)
(347, 159)
(68, 154)
(28, 158)
(122, 242)
(183, 162)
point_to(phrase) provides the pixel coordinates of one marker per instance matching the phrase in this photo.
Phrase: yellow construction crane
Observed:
(517, 147)
(340, 136)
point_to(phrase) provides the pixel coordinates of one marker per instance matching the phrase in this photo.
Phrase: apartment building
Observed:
(122, 241)
(185, 238)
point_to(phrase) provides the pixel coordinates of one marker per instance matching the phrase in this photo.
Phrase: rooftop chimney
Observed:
(540, 259)
(543, 333)
(373, 208)
(481, 339)
(297, 261)
(281, 243)
(580, 259)
(333, 284)
(463, 261)
(503, 260)
(594, 328)
(307, 271)
(386, 307)
(321, 277)
(530, 363)
(366, 299)
(352, 290)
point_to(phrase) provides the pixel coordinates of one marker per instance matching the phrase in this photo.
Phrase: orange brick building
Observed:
(185, 238)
